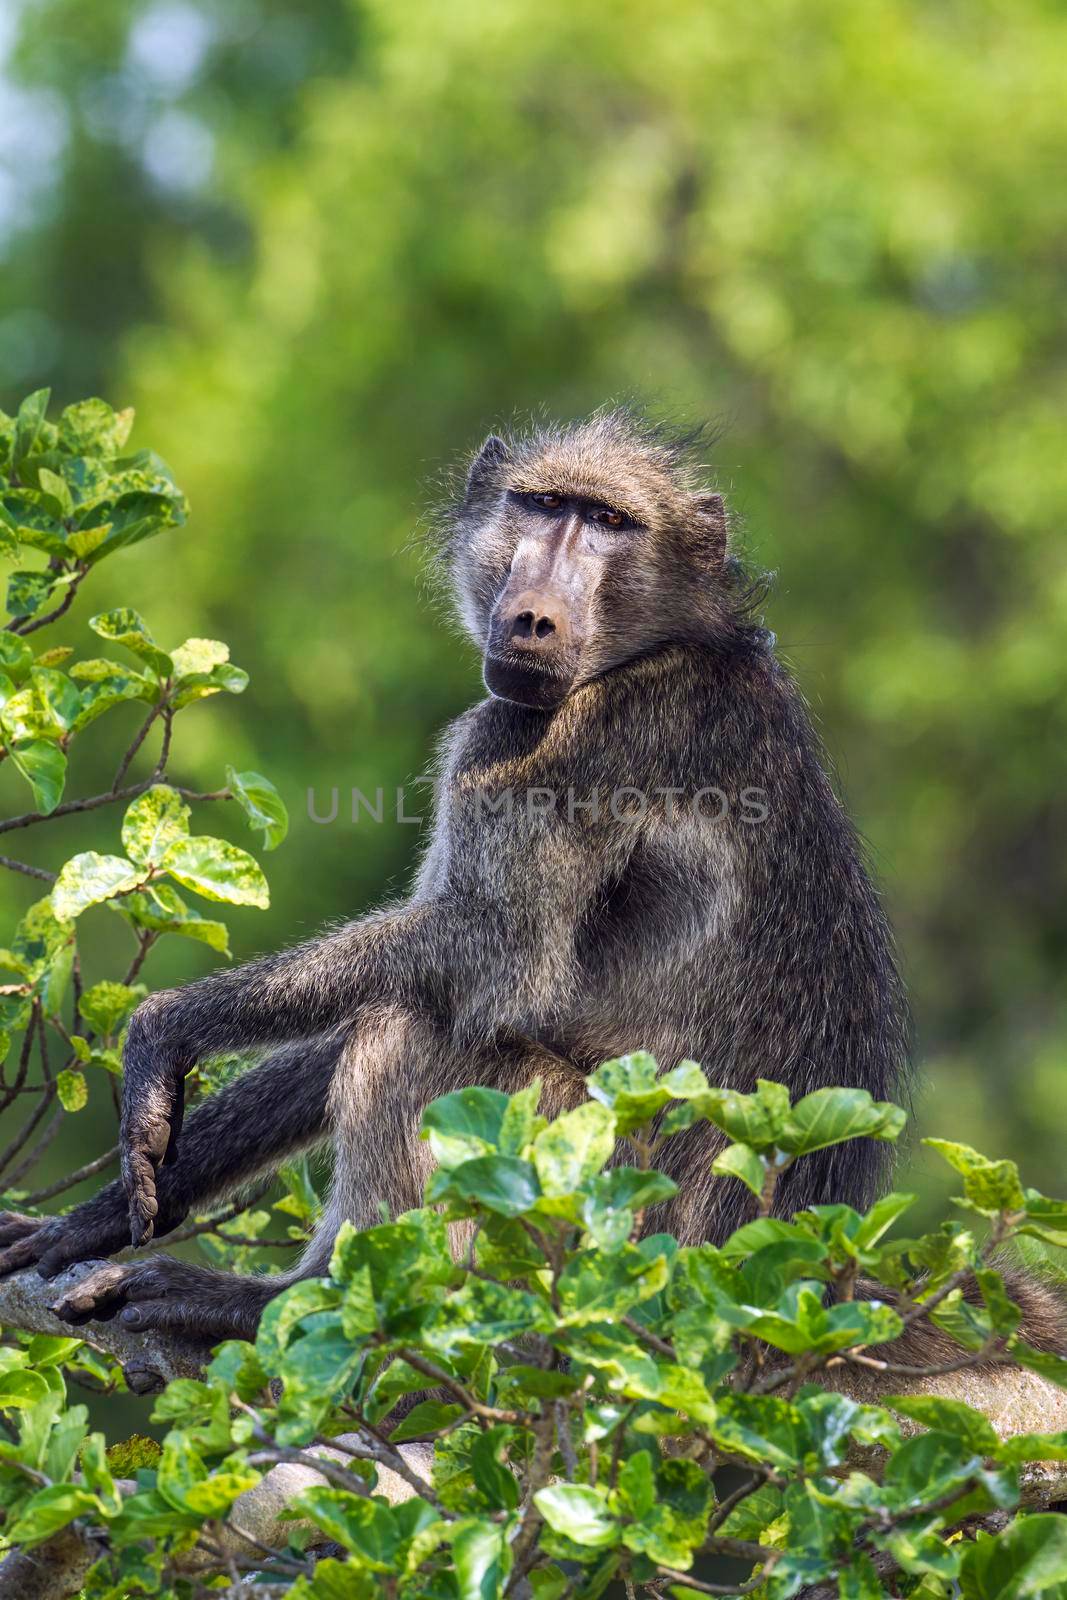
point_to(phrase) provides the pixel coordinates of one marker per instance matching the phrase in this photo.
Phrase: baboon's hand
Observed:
(96, 1228)
(153, 1105)
(151, 1123)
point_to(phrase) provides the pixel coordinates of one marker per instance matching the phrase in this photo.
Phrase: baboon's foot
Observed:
(171, 1296)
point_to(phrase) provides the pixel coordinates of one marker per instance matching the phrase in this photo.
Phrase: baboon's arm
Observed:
(479, 959)
(268, 1113)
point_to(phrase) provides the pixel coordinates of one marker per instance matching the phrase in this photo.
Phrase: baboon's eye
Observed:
(547, 502)
(610, 519)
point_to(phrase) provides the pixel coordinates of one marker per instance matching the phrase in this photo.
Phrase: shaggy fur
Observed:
(538, 940)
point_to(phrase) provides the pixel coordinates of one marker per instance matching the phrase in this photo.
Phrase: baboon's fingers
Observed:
(23, 1253)
(140, 1180)
(16, 1225)
(154, 1314)
(64, 1252)
(149, 1133)
(95, 1298)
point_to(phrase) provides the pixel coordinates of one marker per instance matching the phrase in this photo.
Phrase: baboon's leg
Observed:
(392, 1064)
(247, 1128)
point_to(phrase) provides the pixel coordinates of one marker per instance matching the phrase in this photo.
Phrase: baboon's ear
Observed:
(494, 453)
(711, 525)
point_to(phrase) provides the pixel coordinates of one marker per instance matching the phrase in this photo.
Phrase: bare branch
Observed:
(90, 1169)
(23, 866)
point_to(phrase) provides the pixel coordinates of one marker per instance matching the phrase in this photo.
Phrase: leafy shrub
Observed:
(583, 1381)
(69, 499)
(580, 1380)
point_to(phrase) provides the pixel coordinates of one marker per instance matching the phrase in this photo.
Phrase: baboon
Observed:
(636, 845)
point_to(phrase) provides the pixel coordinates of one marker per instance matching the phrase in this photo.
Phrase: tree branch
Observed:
(149, 1360)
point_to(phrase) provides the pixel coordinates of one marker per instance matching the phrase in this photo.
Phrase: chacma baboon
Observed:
(635, 845)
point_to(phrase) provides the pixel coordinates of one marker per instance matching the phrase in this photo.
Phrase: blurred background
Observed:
(321, 246)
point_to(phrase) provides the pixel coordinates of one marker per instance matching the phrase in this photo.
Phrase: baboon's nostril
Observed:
(538, 620)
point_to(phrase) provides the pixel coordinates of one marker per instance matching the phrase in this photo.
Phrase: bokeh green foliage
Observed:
(835, 229)
(588, 1378)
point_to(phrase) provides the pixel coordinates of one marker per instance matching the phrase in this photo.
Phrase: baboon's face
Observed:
(545, 614)
(576, 552)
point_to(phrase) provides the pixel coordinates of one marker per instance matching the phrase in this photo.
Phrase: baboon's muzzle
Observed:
(533, 650)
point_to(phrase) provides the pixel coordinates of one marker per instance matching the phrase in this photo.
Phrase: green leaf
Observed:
(752, 1119)
(1050, 1366)
(631, 1087)
(23, 1388)
(72, 1089)
(106, 1006)
(87, 879)
(152, 822)
(761, 1427)
(198, 657)
(217, 870)
(49, 1510)
(365, 1528)
(463, 1125)
(108, 684)
(147, 502)
(1033, 1447)
(1045, 1219)
(948, 1416)
(830, 1116)
(31, 415)
(16, 656)
(481, 1558)
(429, 1416)
(521, 1123)
(57, 490)
(741, 1161)
(127, 627)
(84, 541)
(580, 1513)
(488, 1458)
(40, 939)
(1028, 1558)
(92, 428)
(613, 1199)
(502, 1184)
(202, 667)
(261, 804)
(162, 910)
(46, 707)
(27, 591)
(44, 766)
(574, 1147)
(598, 1286)
(989, 1186)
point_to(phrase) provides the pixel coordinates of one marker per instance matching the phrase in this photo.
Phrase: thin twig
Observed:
(90, 803)
(31, 872)
(646, 1336)
(30, 625)
(208, 1224)
(30, 1160)
(445, 1380)
(90, 1169)
(21, 1138)
(138, 740)
(900, 1369)
(20, 1076)
(29, 819)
